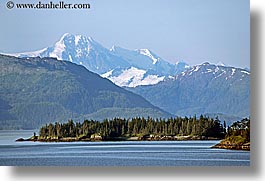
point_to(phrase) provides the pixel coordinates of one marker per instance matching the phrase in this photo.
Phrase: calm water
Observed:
(156, 153)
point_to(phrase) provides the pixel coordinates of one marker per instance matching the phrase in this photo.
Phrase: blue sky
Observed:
(193, 31)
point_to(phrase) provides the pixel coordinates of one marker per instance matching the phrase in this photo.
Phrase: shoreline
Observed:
(224, 144)
(100, 139)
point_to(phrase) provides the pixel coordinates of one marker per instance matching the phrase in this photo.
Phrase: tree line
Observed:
(138, 126)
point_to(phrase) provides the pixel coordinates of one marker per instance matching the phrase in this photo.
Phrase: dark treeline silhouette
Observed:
(117, 127)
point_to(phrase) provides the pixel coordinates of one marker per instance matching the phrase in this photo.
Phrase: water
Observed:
(137, 153)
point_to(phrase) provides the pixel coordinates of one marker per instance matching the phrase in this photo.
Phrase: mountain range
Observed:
(165, 89)
(35, 91)
(128, 68)
(203, 89)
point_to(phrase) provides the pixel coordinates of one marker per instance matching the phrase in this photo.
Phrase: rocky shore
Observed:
(224, 144)
(135, 138)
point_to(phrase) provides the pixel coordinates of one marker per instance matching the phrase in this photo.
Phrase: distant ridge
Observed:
(203, 89)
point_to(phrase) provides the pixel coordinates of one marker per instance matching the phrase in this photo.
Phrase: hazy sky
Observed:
(193, 31)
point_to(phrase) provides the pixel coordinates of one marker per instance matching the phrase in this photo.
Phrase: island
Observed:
(134, 129)
(237, 137)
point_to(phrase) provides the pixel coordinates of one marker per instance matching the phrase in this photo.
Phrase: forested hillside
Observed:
(35, 91)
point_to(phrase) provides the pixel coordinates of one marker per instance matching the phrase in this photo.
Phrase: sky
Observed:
(193, 31)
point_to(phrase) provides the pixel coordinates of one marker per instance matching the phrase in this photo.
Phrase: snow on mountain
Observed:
(245, 72)
(211, 71)
(107, 74)
(27, 54)
(147, 60)
(136, 67)
(148, 53)
(132, 77)
(156, 68)
(59, 48)
(181, 66)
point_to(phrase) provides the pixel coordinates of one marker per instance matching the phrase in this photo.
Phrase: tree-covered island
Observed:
(236, 136)
(138, 128)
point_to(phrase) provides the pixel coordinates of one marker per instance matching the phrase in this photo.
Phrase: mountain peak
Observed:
(76, 38)
(70, 47)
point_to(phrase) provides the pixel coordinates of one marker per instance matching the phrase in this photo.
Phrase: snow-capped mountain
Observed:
(204, 88)
(81, 50)
(124, 67)
(147, 68)
(147, 60)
